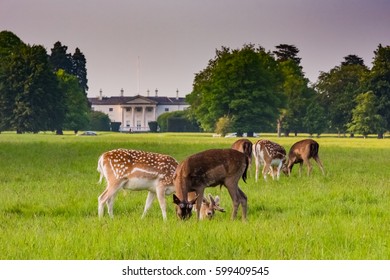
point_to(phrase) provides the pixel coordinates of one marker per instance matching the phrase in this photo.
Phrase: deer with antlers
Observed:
(209, 169)
(208, 207)
(301, 152)
(269, 154)
(136, 170)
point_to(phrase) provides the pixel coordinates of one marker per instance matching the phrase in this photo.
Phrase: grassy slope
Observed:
(48, 204)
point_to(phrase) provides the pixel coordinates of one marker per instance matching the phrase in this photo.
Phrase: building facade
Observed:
(135, 112)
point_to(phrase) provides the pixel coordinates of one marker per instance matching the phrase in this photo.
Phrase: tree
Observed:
(365, 117)
(223, 126)
(32, 99)
(287, 52)
(242, 84)
(379, 84)
(9, 45)
(338, 89)
(295, 88)
(79, 64)
(60, 59)
(76, 103)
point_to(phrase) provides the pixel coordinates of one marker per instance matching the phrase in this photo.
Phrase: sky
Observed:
(149, 44)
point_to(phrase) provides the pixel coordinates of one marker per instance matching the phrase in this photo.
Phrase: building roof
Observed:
(123, 100)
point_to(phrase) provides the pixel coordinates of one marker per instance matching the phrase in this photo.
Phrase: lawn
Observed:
(49, 190)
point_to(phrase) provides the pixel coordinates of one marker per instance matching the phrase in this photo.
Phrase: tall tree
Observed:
(10, 44)
(79, 69)
(295, 87)
(338, 89)
(242, 84)
(379, 83)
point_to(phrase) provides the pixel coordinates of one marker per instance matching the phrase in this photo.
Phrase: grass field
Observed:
(49, 190)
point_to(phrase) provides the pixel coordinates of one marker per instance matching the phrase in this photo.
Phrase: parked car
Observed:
(88, 133)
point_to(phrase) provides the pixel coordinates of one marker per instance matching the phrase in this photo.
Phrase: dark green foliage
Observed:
(178, 121)
(76, 103)
(29, 95)
(153, 126)
(98, 121)
(115, 126)
(242, 84)
(338, 89)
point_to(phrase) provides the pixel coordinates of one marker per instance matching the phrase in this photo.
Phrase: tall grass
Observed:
(49, 190)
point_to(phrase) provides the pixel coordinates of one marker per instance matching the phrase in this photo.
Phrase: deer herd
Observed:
(161, 175)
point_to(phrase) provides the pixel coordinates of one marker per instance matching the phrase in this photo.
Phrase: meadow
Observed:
(49, 190)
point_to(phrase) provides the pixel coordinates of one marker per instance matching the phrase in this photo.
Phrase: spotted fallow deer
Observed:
(268, 154)
(209, 169)
(245, 147)
(301, 152)
(136, 171)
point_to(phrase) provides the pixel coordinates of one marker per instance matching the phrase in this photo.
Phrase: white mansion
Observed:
(135, 112)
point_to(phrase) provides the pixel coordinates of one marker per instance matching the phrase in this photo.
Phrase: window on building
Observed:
(128, 109)
(166, 109)
(138, 109)
(149, 109)
(110, 109)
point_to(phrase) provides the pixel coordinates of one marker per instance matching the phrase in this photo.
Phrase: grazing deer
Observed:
(268, 154)
(245, 147)
(301, 152)
(136, 171)
(208, 208)
(209, 169)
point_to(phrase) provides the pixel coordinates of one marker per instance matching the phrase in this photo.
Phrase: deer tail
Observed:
(100, 169)
(244, 175)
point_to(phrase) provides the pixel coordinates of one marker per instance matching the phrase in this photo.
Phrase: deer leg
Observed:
(107, 197)
(278, 170)
(148, 203)
(101, 201)
(309, 167)
(235, 196)
(244, 202)
(317, 159)
(199, 201)
(300, 169)
(265, 171)
(257, 168)
(161, 200)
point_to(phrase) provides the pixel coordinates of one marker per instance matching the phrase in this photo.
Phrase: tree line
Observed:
(254, 90)
(41, 91)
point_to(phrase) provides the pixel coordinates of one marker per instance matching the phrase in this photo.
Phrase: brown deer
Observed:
(209, 169)
(268, 154)
(245, 147)
(136, 171)
(301, 152)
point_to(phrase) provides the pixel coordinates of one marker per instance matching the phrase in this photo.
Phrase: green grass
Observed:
(49, 190)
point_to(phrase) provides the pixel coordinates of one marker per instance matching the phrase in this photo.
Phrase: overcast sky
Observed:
(171, 40)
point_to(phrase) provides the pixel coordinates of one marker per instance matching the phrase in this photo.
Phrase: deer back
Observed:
(269, 150)
(122, 163)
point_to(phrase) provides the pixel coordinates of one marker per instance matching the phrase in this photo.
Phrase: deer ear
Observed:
(176, 200)
(217, 199)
